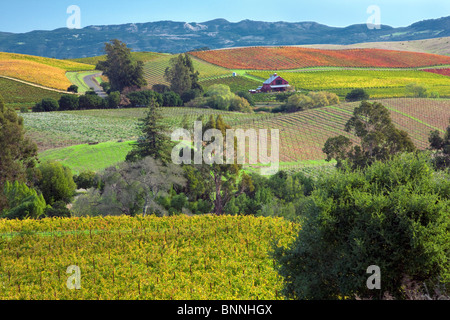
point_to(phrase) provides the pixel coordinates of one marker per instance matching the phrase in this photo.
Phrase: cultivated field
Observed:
(379, 83)
(18, 94)
(154, 70)
(302, 134)
(283, 58)
(179, 257)
(46, 72)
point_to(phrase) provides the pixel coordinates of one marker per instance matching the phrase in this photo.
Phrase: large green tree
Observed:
(154, 141)
(120, 67)
(227, 180)
(18, 153)
(379, 139)
(181, 75)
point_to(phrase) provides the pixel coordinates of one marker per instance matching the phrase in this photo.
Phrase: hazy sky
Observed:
(27, 15)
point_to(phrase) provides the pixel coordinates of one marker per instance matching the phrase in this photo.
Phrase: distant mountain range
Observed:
(176, 37)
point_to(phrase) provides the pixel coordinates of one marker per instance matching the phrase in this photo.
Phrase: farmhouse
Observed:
(274, 83)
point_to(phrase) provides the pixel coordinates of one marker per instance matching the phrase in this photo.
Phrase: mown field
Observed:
(148, 258)
(283, 58)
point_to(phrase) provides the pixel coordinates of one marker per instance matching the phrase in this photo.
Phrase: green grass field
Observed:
(146, 258)
(84, 157)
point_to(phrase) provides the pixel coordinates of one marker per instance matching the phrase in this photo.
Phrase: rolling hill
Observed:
(42, 71)
(437, 46)
(284, 58)
(177, 37)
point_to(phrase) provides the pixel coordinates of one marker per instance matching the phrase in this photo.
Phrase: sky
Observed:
(26, 15)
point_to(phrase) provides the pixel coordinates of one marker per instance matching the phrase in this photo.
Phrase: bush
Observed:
(357, 95)
(58, 210)
(73, 88)
(56, 182)
(86, 180)
(394, 215)
(171, 99)
(143, 98)
(46, 105)
(416, 90)
(247, 96)
(91, 101)
(113, 100)
(68, 102)
(24, 109)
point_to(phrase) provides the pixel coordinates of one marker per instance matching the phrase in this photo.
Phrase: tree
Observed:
(85, 180)
(23, 202)
(18, 153)
(59, 209)
(113, 100)
(144, 98)
(46, 105)
(416, 90)
(247, 96)
(181, 75)
(73, 88)
(132, 188)
(91, 101)
(379, 139)
(394, 215)
(228, 180)
(171, 99)
(441, 148)
(68, 102)
(357, 95)
(120, 68)
(56, 182)
(154, 141)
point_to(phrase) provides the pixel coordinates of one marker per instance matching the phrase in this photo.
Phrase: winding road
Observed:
(91, 83)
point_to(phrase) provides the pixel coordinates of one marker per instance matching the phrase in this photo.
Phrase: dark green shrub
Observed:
(395, 215)
(73, 88)
(91, 101)
(357, 95)
(46, 105)
(58, 210)
(86, 180)
(68, 102)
